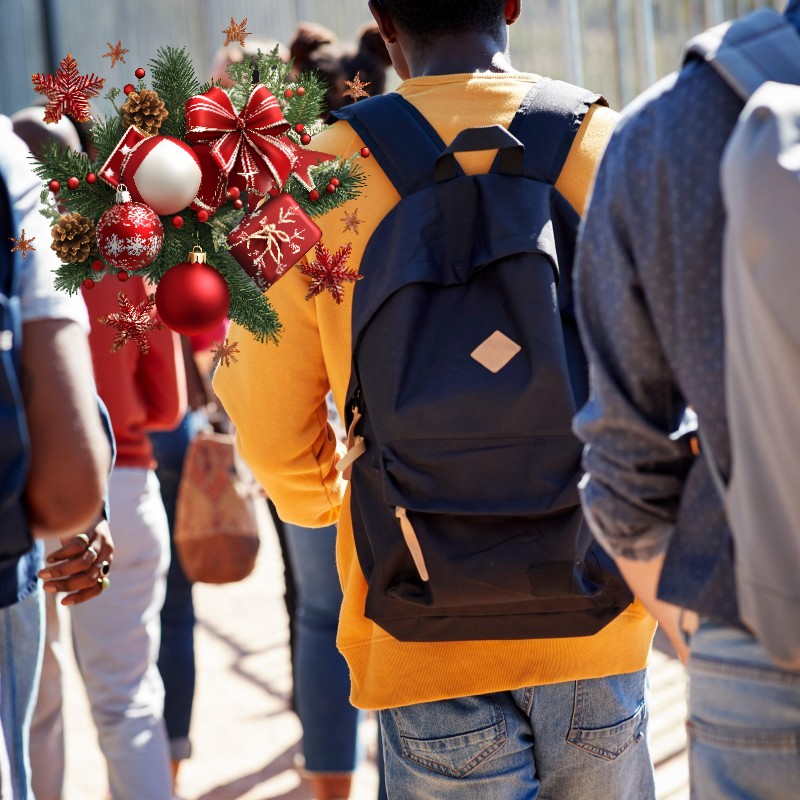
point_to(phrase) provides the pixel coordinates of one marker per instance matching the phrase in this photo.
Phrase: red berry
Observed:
(98, 265)
(330, 188)
(313, 195)
(202, 216)
(88, 283)
(122, 276)
(128, 88)
(299, 127)
(365, 153)
(301, 91)
(305, 139)
(288, 94)
(335, 182)
(54, 187)
(91, 178)
(73, 183)
(237, 204)
(234, 192)
(139, 73)
(177, 221)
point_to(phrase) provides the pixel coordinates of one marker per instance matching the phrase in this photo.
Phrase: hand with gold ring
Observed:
(80, 566)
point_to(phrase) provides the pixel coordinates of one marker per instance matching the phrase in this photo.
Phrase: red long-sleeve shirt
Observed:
(142, 392)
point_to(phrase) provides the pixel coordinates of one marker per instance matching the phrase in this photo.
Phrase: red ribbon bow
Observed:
(245, 150)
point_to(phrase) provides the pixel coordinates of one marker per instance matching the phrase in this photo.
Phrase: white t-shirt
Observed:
(38, 296)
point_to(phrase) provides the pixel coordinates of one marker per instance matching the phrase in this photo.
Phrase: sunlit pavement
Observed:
(245, 737)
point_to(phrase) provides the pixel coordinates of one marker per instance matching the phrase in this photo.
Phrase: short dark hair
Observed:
(428, 19)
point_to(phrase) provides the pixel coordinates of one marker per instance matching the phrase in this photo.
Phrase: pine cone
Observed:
(73, 238)
(145, 110)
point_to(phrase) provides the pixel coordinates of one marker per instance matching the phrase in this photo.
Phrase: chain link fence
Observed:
(617, 47)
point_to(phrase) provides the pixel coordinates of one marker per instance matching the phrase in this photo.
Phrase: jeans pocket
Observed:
(609, 715)
(474, 728)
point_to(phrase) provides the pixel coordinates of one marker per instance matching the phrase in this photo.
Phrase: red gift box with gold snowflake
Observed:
(273, 239)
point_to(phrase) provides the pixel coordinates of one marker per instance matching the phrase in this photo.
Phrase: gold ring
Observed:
(84, 538)
(104, 583)
(95, 554)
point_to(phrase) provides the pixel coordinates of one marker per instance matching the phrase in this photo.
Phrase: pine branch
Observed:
(106, 134)
(70, 277)
(175, 81)
(309, 107)
(61, 163)
(351, 184)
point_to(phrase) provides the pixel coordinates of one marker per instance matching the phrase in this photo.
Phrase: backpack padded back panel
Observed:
(473, 464)
(759, 58)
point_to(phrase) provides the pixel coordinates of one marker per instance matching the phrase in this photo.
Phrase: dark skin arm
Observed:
(70, 454)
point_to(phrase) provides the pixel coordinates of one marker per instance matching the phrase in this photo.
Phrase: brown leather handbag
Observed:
(220, 512)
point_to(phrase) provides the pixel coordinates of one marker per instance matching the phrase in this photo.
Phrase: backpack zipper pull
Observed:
(412, 542)
(356, 447)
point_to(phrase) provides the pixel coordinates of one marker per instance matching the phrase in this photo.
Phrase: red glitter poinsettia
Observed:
(67, 91)
(132, 323)
(329, 272)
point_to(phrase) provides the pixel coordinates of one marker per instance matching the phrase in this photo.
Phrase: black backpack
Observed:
(15, 538)
(467, 371)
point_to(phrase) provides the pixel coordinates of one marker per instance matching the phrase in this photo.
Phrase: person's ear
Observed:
(513, 10)
(384, 21)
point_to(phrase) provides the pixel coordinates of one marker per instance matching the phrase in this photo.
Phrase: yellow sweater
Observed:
(276, 398)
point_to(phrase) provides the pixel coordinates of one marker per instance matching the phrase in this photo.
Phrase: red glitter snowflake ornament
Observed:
(328, 272)
(67, 91)
(132, 323)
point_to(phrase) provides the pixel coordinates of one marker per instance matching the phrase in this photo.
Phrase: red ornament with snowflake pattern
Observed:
(129, 235)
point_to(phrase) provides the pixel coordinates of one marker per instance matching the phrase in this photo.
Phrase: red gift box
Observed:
(112, 169)
(273, 239)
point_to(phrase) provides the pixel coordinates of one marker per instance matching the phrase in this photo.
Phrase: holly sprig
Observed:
(174, 78)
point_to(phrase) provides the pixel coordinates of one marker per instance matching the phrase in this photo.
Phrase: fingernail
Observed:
(45, 575)
(50, 588)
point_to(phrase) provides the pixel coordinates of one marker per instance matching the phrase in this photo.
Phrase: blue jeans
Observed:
(322, 681)
(744, 719)
(176, 656)
(566, 741)
(21, 643)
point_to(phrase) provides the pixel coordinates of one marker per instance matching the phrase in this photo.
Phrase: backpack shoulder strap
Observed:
(547, 122)
(762, 46)
(401, 140)
(9, 277)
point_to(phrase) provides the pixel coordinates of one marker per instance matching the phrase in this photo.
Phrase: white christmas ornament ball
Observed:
(163, 173)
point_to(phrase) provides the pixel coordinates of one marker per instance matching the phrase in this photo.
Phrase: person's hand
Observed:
(81, 565)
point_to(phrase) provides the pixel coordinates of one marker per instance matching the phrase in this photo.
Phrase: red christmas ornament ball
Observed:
(128, 88)
(88, 284)
(91, 178)
(330, 188)
(129, 235)
(301, 91)
(288, 94)
(54, 187)
(234, 192)
(202, 215)
(305, 139)
(73, 183)
(98, 265)
(365, 152)
(313, 195)
(139, 73)
(335, 182)
(192, 297)
(238, 204)
(299, 127)
(122, 276)
(177, 221)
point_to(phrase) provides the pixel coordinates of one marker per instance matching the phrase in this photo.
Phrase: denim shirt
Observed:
(650, 309)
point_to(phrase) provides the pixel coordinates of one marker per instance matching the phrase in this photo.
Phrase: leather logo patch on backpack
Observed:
(496, 352)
